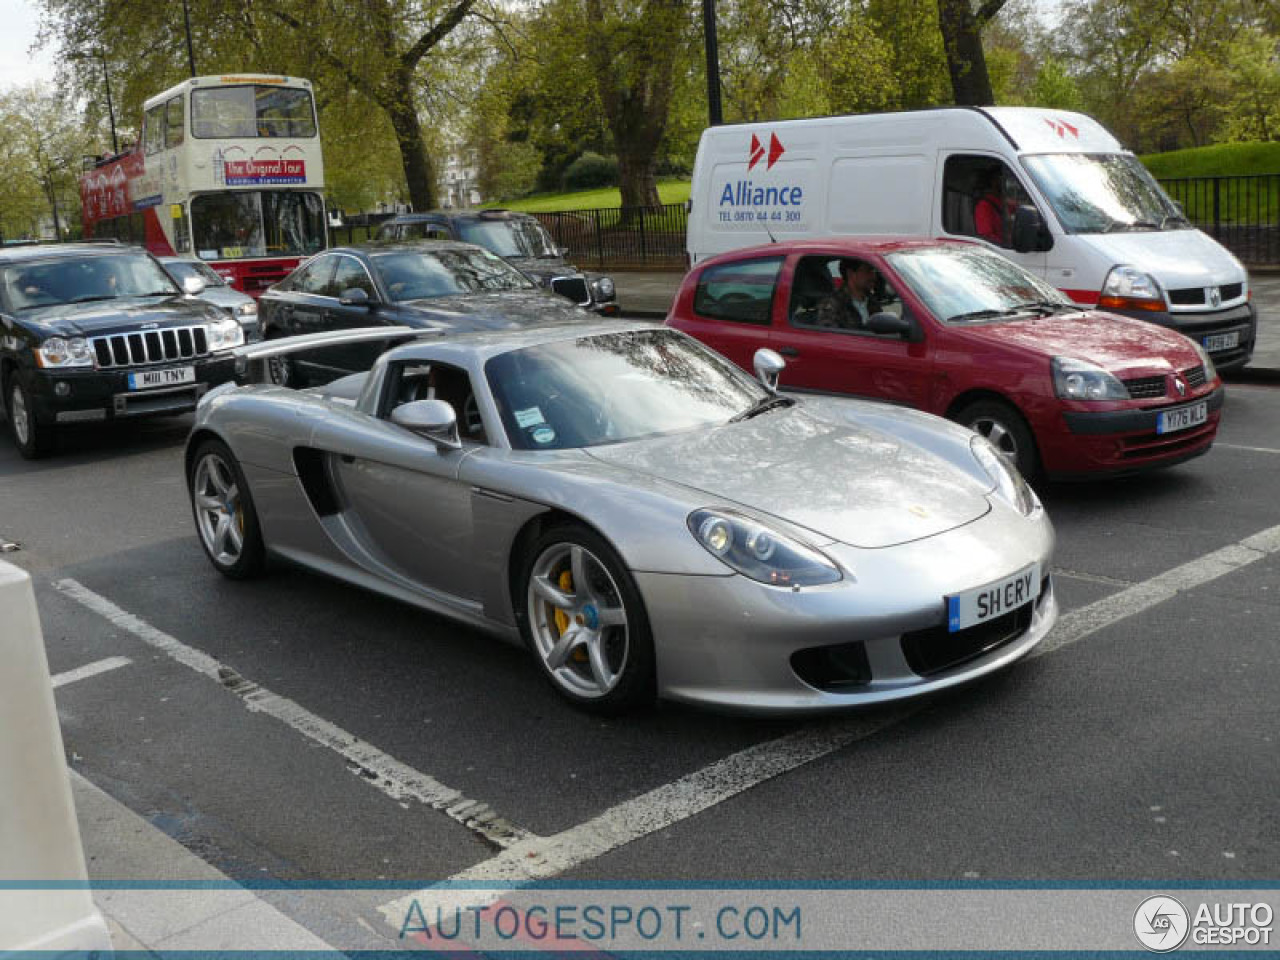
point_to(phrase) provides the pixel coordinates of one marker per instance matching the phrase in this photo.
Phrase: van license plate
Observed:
(1222, 341)
(161, 378)
(1182, 418)
(993, 600)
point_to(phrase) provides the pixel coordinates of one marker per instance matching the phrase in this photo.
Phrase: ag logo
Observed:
(776, 149)
(1161, 924)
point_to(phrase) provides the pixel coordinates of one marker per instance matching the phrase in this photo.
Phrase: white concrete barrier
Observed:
(45, 903)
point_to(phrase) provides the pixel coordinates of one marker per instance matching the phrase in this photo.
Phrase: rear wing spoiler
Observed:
(249, 355)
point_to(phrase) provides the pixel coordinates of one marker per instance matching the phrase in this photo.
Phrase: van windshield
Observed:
(1103, 193)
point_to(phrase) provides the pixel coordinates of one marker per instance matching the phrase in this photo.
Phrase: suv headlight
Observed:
(1209, 370)
(1128, 288)
(758, 552)
(225, 334)
(602, 288)
(1081, 380)
(63, 352)
(1011, 487)
(249, 309)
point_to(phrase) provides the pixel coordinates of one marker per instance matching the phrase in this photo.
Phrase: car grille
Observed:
(150, 346)
(1144, 388)
(1231, 290)
(937, 649)
(1194, 296)
(575, 288)
(1194, 376)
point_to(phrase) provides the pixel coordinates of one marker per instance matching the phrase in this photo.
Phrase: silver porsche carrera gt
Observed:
(645, 517)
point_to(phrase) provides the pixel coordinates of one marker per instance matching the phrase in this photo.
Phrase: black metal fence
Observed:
(357, 229)
(649, 237)
(1241, 213)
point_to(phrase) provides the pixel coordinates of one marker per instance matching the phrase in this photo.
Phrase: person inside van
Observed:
(851, 306)
(989, 209)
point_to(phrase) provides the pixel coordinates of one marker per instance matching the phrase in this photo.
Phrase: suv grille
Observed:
(150, 346)
(575, 288)
(1144, 388)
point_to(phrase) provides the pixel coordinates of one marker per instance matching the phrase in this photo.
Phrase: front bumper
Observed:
(1242, 320)
(97, 395)
(736, 645)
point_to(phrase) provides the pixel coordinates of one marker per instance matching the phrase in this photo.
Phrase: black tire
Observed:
(1004, 426)
(282, 371)
(248, 559)
(630, 654)
(32, 438)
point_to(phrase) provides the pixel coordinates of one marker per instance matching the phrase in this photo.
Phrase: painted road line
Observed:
(90, 670)
(1237, 446)
(397, 780)
(540, 858)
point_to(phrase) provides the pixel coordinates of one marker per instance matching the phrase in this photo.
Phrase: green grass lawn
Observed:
(673, 191)
(1218, 160)
(1238, 201)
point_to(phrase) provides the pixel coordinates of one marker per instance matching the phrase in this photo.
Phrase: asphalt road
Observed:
(1144, 747)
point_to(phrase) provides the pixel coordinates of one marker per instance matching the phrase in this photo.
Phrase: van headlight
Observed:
(225, 333)
(1128, 288)
(1010, 485)
(760, 552)
(1081, 380)
(64, 352)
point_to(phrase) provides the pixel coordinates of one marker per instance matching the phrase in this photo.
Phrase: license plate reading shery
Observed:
(993, 600)
(169, 377)
(1182, 418)
(1222, 341)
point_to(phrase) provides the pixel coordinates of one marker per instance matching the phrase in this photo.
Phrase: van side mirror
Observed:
(768, 365)
(433, 419)
(1029, 231)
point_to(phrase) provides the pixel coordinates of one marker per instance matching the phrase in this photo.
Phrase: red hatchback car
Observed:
(954, 329)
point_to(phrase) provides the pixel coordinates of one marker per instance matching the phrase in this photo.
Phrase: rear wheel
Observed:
(1007, 430)
(224, 513)
(585, 623)
(33, 439)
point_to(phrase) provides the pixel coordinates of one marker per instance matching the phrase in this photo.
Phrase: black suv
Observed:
(520, 239)
(96, 332)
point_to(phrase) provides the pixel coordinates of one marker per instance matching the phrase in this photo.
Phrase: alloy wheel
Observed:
(219, 509)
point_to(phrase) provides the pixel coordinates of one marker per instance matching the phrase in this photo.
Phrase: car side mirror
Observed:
(769, 366)
(356, 297)
(562, 252)
(433, 419)
(193, 286)
(890, 323)
(1029, 231)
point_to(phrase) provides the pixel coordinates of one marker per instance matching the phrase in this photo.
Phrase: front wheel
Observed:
(224, 513)
(1008, 432)
(33, 439)
(584, 621)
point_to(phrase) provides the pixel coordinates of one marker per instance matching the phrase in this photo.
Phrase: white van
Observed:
(1049, 189)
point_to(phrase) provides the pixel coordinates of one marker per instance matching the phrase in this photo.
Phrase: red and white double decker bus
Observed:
(229, 171)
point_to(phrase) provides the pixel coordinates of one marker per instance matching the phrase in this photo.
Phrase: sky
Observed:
(21, 20)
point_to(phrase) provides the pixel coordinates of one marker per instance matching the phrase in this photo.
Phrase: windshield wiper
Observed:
(1171, 218)
(89, 298)
(158, 293)
(763, 405)
(974, 315)
(1046, 306)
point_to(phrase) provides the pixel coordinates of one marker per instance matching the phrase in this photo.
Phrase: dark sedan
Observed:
(451, 286)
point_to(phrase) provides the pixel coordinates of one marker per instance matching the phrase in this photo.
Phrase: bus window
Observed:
(294, 222)
(284, 112)
(227, 226)
(252, 111)
(137, 229)
(155, 129)
(173, 125)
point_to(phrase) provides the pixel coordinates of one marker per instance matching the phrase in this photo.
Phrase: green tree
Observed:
(1054, 87)
(42, 149)
(1254, 110)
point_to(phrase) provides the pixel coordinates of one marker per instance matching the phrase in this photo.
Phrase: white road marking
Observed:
(89, 670)
(397, 780)
(540, 858)
(1238, 446)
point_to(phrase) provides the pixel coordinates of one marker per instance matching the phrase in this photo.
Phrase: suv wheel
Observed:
(33, 439)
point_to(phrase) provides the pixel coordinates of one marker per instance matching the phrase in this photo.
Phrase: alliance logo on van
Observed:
(776, 150)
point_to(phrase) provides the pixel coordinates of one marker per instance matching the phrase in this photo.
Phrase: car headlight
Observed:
(1081, 380)
(64, 352)
(225, 334)
(1010, 485)
(761, 553)
(602, 288)
(249, 309)
(1209, 371)
(1128, 288)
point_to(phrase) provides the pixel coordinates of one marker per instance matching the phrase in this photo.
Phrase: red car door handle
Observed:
(789, 351)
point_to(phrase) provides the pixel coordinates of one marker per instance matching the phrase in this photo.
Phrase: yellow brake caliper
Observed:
(562, 619)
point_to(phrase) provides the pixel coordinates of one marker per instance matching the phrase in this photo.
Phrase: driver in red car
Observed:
(851, 306)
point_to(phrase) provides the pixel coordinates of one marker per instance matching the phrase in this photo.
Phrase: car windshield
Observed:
(419, 274)
(969, 284)
(181, 269)
(615, 387)
(49, 283)
(1103, 193)
(510, 238)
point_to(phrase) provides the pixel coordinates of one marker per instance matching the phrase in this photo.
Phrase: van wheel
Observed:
(1007, 430)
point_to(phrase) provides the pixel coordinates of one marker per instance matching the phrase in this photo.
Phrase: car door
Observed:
(859, 362)
(970, 181)
(297, 305)
(733, 307)
(351, 274)
(407, 513)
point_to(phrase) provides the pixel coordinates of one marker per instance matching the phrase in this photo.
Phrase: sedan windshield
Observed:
(510, 238)
(969, 284)
(81, 280)
(419, 274)
(1101, 193)
(615, 387)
